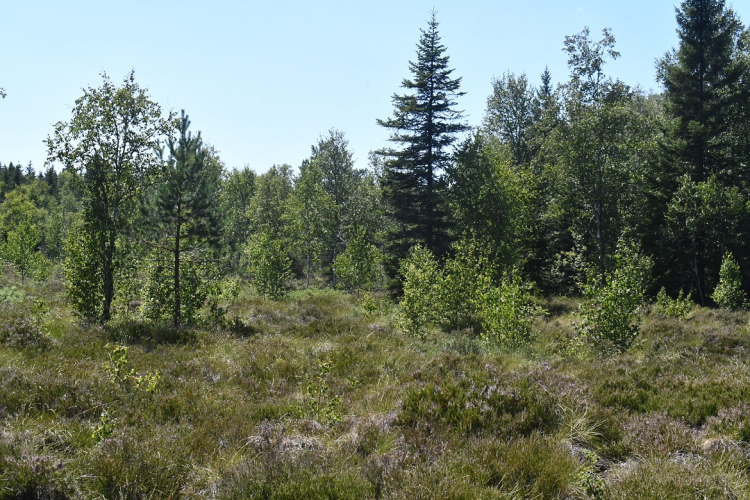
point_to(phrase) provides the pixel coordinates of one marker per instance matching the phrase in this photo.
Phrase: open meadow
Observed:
(321, 395)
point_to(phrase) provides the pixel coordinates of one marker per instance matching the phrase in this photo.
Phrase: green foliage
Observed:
(493, 201)
(269, 265)
(418, 304)
(359, 266)
(679, 307)
(508, 312)
(121, 373)
(20, 249)
(610, 318)
(104, 429)
(728, 294)
(10, 295)
(112, 139)
(183, 214)
(317, 402)
(196, 280)
(592, 483)
(83, 273)
(462, 288)
(425, 123)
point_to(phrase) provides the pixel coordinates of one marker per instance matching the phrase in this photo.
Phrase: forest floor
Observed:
(322, 396)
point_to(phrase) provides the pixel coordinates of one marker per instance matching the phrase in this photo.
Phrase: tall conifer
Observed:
(424, 124)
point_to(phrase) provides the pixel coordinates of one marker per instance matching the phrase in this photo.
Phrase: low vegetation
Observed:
(324, 395)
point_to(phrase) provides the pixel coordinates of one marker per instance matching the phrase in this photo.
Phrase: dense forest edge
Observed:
(550, 304)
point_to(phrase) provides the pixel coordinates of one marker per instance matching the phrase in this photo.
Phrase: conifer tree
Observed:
(702, 81)
(424, 125)
(184, 209)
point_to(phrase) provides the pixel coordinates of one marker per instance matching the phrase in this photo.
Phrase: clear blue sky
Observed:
(263, 80)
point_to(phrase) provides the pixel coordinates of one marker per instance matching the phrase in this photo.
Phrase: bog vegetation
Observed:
(550, 304)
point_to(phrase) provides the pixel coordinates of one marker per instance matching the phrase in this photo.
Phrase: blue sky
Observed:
(263, 80)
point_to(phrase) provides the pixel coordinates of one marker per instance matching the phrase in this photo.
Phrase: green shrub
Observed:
(728, 293)
(359, 266)
(610, 319)
(462, 288)
(10, 295)
(421, 274)
(508, 312)
(269, 265)
(196, 279)
(672, 308)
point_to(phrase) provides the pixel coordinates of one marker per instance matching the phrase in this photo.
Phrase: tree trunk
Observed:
(108, 274)
(307, 285)
(177, 305)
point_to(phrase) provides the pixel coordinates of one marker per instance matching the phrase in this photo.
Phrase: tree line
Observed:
(557, 185)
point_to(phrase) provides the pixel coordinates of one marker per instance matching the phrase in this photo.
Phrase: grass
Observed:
(318, 396)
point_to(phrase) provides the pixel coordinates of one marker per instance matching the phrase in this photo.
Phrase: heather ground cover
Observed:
(322, 395)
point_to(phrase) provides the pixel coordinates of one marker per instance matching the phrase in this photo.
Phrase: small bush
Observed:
(421, 274)
(269, 265)
(610, 320)
(728, 293)
(672, 308)
(10, 295)
(508, 312)
(462, 288)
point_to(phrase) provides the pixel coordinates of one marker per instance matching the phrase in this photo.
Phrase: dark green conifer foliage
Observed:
(699, 79)
(702, 81)
(424, 125)
(185, 215)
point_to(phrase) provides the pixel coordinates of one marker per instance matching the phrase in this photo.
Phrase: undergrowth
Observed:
(321, 395)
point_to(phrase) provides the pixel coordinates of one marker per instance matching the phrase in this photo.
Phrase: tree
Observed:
(308, 209)
(269, 264)
(595, 148)
(512, 110)
(20, 249)
(700, 80)
(424, 125)
(358, 266)
(728, 293)
(492, 200)
(336, 164)
(268, 207)
(704, 218)
(184, 212)
(704, 89)
(112, 139)
(237, 190)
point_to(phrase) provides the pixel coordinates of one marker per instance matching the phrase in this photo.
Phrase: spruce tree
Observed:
(703, 82)
(424, 125)
(699, 79)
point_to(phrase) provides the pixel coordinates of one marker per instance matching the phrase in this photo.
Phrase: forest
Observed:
(551, 303)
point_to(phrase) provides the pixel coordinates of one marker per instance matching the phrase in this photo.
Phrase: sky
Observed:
(263, 81)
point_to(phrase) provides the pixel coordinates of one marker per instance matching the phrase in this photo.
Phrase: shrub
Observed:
(462, 288)
(508, 312)
(10, 295)
(421, 274)
(728, 293)
(269, 265)
(672, 308)
(611, 317)
(359, 266)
